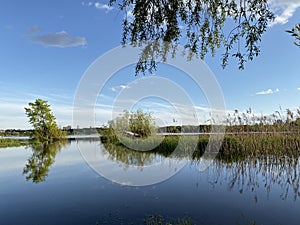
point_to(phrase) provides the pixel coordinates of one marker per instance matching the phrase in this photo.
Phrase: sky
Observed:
(47, 46)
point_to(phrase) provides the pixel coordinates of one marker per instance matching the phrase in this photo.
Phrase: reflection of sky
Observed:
(74, 194)
(68, 156)
(13, 158)
(16, 158)
(153, 170)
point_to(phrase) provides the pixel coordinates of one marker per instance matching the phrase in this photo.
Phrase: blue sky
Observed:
(46, 46)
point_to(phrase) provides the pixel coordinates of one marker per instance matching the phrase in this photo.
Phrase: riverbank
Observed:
(16, 141)
(10, 142)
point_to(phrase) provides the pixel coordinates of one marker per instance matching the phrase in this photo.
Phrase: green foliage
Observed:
(135, 124)
(107, 135)
(234, 148)
(16, 132)
(43, 121)
(247, 135)
(140, 123)
(167, 146)
(135, 130)
(201, 25)
(295, 32)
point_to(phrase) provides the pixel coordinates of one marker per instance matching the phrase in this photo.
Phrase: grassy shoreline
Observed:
(234, 146)
(10, 142)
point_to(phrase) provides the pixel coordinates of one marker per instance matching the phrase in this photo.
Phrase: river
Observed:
(55, 185)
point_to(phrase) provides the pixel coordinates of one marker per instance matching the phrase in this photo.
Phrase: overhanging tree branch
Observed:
(200, 25)
(295, 32)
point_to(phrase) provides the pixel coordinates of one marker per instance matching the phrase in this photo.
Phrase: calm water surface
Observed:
(54, 185)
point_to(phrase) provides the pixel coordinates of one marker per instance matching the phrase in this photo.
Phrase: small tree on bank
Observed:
(140, 123)
(43, 121)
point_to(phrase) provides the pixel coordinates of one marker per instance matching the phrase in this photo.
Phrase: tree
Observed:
(201, 25)
(43, 121)
(139, 123)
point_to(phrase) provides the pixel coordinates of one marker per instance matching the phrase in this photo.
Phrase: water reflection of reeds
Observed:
(247, 162)
(257, 174)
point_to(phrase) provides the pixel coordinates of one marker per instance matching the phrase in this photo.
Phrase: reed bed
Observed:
(234, 147)
(247, 135)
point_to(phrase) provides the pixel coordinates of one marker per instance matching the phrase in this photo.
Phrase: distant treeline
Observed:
(19, 132)
(293, 126)
(15, 132)
(288, 127)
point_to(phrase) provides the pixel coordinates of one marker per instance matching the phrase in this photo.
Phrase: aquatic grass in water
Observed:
(141, 144)
(248, 135)
(234, 146)
(271, 144)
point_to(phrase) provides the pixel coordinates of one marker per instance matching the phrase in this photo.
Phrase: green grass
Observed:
(8, 142)
(234, 147)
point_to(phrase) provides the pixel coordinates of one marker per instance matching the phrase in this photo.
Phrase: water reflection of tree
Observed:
(43, 156)
(129, 157)
(252, 174)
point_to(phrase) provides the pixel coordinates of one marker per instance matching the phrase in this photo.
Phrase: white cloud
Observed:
(13, 114)
(105, 7)
(267, 92)
(120, 87)
(60, 39)
(13, 102)
(298, 89)
(123, 86)
(284, 10)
